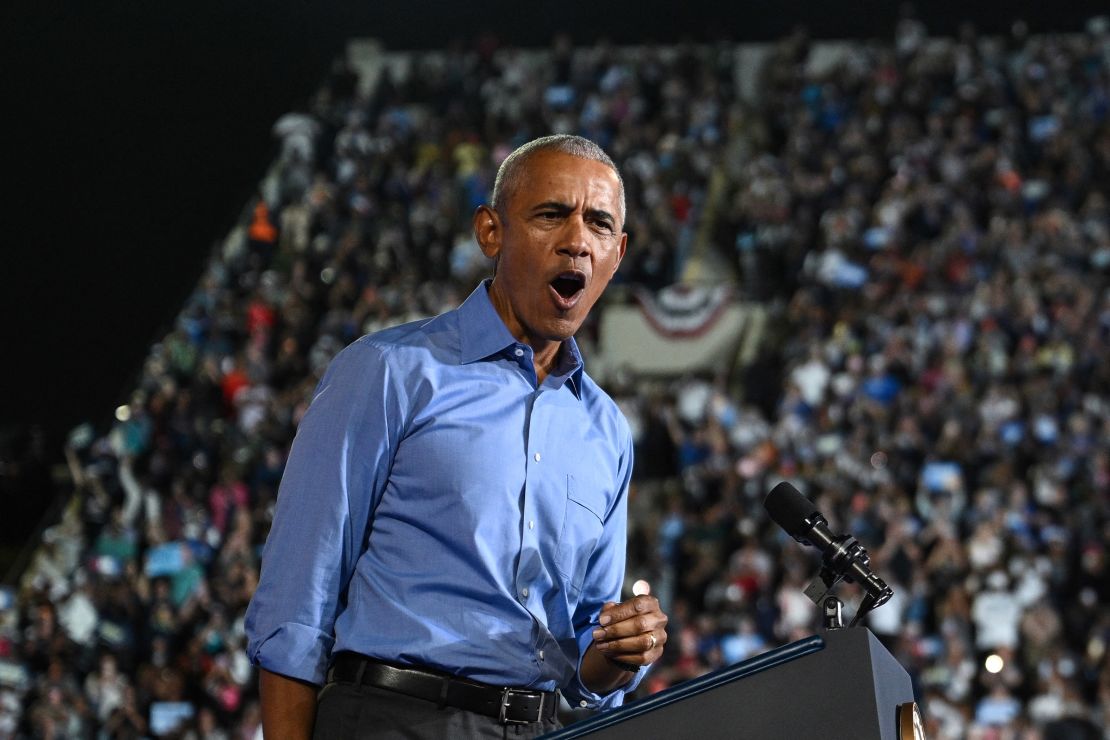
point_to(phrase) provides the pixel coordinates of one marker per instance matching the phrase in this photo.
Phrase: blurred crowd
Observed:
(928, 220)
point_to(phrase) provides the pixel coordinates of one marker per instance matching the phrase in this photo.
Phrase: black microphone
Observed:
(842, 554)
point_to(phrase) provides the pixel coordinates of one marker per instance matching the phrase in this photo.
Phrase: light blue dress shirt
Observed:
(438, 508)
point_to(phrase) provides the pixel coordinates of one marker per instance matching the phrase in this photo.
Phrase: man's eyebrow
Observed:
(600, 214)
(565, 208)
(552, 205)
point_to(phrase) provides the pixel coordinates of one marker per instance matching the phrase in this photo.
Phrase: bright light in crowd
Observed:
(994, 664)
(123, 413)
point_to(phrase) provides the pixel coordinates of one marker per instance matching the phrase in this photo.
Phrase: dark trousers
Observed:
(347, 711)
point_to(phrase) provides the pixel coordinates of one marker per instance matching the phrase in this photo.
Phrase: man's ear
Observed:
(487, 231)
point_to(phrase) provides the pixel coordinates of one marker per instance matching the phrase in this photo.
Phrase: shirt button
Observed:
(524, 592)
(536, 457)
(531, 524)
(541, 655)
(518, 352)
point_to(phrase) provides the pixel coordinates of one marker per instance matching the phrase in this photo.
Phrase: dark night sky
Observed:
(139, 130)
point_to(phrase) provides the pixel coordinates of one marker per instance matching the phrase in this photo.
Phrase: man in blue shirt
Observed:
(452, 518)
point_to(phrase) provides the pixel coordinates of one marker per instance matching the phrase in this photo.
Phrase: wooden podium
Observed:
(840, 685)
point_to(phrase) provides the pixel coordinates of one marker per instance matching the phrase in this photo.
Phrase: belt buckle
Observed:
(506, 697)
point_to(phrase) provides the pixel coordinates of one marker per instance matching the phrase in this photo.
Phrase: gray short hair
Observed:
(512, 169)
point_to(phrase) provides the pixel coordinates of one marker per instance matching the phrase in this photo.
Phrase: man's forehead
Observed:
(564, 176)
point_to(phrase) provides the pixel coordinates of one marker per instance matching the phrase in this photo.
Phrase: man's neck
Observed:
(545, 352)
(546, 360)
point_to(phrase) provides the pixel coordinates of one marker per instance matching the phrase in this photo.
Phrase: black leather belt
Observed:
(509, 706)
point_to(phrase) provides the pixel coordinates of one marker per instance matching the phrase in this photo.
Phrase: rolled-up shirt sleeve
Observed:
(604, 579)
(333, 480)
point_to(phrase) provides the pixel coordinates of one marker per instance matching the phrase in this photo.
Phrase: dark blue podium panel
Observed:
(842, 685)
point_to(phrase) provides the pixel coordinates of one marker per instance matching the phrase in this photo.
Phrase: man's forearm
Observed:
(598, 673)
(288, 707)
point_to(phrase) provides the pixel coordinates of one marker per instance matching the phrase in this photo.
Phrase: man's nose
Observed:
(575, 241)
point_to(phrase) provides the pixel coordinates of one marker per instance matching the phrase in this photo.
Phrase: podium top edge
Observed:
(693, 687)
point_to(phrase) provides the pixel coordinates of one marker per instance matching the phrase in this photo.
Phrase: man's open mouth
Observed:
(568, 284)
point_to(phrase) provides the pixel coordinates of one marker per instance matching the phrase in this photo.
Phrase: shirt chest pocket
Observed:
(582, 525)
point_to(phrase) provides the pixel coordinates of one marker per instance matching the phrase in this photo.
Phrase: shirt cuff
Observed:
(580, 696)
(294, 650)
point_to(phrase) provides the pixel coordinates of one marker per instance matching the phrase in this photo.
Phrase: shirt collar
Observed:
(571, 366)
(482, 333)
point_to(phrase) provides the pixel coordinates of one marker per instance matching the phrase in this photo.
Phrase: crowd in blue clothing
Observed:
(927, 220)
